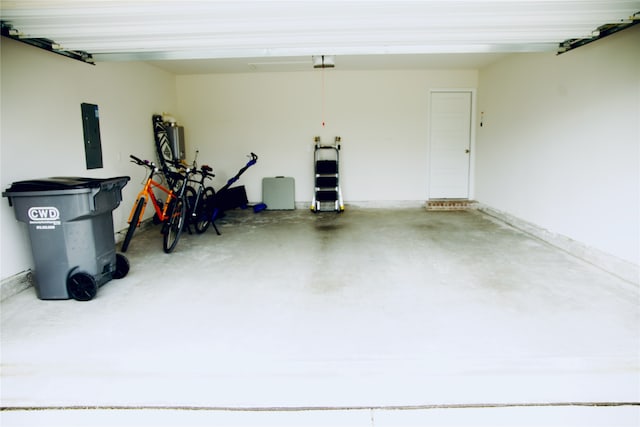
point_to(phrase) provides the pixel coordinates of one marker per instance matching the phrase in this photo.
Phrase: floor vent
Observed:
(450, 204)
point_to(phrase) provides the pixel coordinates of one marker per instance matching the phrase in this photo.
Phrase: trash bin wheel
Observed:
(82, 286)
(122, 266)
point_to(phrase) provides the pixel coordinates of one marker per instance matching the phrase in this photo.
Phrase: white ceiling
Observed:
(189, 36)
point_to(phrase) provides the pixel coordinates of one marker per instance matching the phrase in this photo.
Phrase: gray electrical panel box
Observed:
(176, 138)
(91, 133)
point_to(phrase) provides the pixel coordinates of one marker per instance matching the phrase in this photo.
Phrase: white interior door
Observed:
(450, 141)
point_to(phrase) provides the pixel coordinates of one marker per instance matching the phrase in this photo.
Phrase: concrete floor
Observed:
(370, 317)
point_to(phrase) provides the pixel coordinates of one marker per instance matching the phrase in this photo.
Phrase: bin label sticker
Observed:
(44, 217)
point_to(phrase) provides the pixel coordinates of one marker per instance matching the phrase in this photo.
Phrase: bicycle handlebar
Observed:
(142, 162)
(152, 165)
(205, 170)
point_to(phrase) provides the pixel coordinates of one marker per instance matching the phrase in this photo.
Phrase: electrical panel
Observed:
(91, 131)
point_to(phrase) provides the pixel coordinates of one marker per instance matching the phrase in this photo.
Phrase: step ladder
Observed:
(327, 195)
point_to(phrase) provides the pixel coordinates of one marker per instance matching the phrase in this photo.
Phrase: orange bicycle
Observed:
(171, 213)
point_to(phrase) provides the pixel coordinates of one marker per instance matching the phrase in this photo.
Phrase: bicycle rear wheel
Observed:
(203, 220)
(175, 224)
(133, 224)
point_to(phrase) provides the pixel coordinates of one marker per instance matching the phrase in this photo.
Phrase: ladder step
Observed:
(326, 166)
(326, 196)
(326, 181)
(327, 207)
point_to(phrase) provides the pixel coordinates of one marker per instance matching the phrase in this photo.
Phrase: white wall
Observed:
(41, 127)
(560, 142)
(380, 115)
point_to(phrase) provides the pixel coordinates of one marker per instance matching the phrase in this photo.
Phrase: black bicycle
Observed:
(177, 218)
(196, 197)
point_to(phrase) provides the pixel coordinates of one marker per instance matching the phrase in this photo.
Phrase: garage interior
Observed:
(518, 305)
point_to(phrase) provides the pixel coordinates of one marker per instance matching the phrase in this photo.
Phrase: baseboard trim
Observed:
(623, 269)
(15, 284)
(375, 204)
(385, 204)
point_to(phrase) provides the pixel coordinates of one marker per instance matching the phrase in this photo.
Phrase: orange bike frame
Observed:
(148, 190)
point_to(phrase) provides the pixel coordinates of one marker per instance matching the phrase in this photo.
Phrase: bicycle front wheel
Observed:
(203, 220)
(133, 224)
(175, 224)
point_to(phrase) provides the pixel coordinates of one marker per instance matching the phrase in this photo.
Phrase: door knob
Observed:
(466, 151)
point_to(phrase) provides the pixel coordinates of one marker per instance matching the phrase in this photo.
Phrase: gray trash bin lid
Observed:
(67, 186)
(61, 183)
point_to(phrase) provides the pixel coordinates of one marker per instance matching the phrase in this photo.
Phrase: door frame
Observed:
(472, 138)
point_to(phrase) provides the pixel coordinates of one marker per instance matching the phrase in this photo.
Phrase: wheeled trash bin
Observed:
(71, 231)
